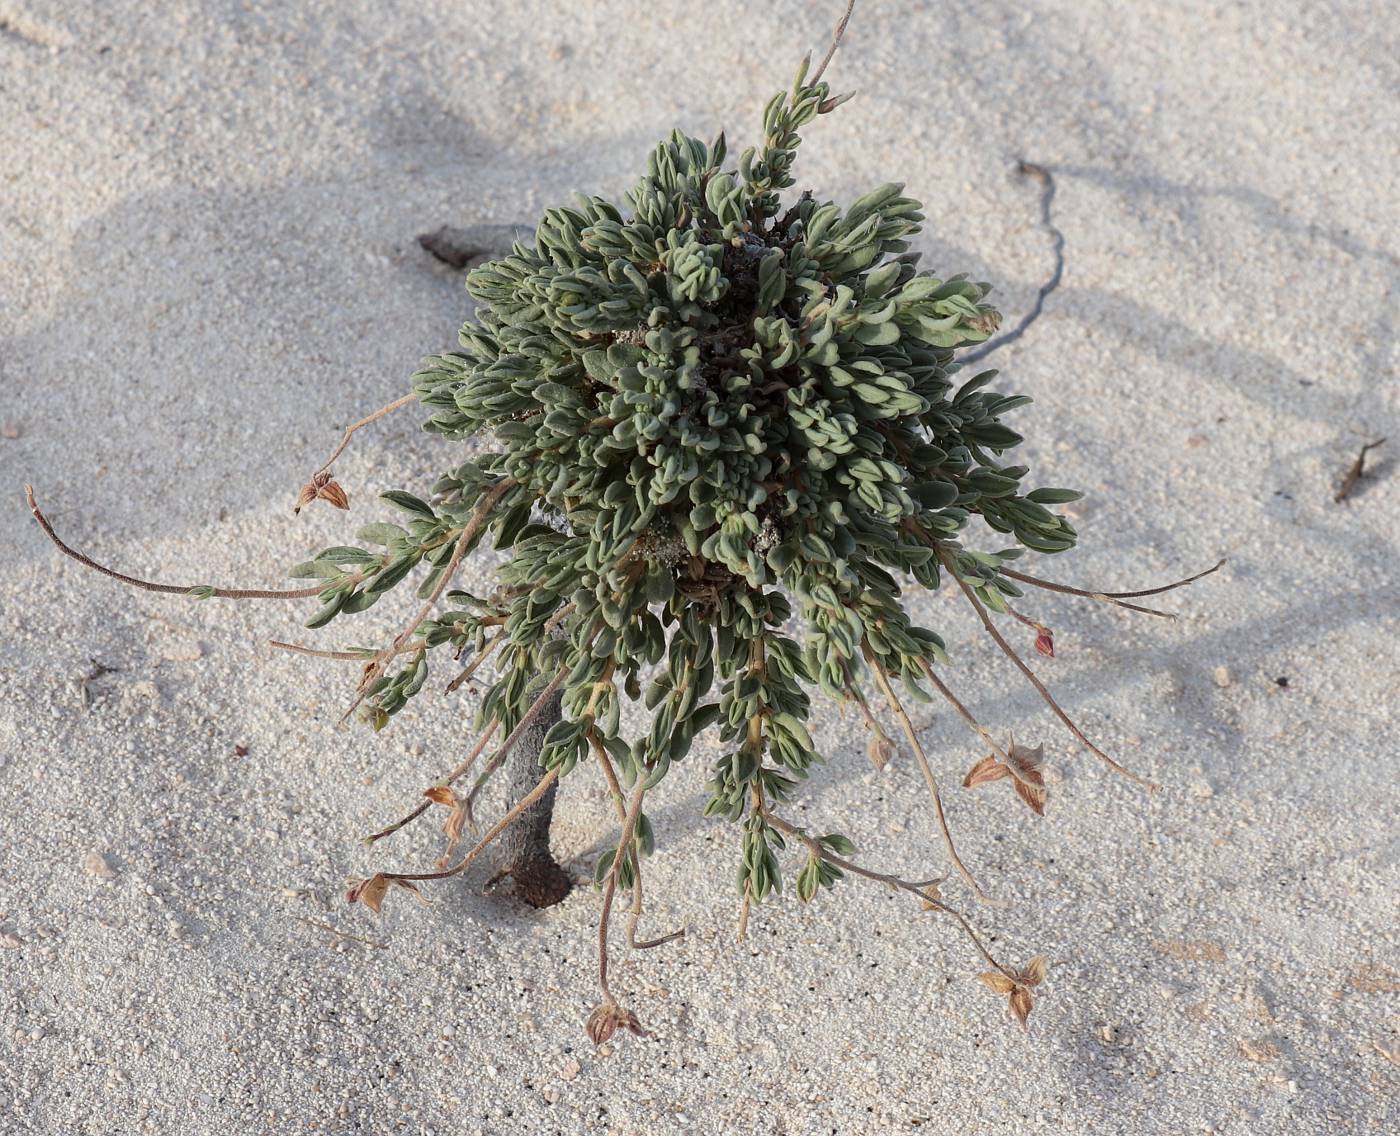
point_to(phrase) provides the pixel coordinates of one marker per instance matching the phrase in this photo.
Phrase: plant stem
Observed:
(629, 825)
(822, 852)
(963, 712)
(178, 589)
(469, 531)
(448, 780)
(499, 827)
(1115, 598)
(1010, 653)
(897, 707)
(363, 422)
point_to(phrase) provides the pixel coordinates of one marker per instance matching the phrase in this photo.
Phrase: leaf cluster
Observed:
(715, 419)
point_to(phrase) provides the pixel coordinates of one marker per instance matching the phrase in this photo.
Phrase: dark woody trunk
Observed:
(522, 851)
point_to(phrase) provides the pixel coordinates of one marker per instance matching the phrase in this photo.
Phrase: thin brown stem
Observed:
(963, 712)
(914, 888)
(836, 35)
(1115, 598)
(498, 758)
(177, 589)
(1010, 653)
(496, 829)
(472, 667)
(892, 699)
(448, 780)
(360, 425)
(315, 653)
(615, 791)
(629, 825)
(339, 934)
(880, 745)
(343, 656)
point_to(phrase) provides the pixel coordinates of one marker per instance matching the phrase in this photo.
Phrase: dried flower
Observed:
(1023, 769)
(608, 1018)
(322, 487)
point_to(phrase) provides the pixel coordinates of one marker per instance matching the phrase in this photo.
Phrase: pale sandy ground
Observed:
(207, 215)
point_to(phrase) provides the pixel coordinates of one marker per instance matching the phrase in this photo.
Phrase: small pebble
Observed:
(1222, 677)
(570, 1069)
(95, 864)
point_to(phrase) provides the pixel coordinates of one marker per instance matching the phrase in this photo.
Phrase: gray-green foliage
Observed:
(734, 412)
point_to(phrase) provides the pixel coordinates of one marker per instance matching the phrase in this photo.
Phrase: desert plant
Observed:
(722, 433)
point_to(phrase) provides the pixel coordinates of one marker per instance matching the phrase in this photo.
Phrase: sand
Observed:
(208, 268)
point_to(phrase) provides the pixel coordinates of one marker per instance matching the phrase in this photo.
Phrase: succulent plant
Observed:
(714, 435)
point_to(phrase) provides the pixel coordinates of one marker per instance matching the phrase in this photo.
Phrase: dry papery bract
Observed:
(696, 417)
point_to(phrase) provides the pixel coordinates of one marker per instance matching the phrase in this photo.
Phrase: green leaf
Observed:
(409, 503)
(381, 533)
(1053, 496)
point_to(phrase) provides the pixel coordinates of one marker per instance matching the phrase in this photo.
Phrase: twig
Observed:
(457, 248)
(880, 746)
(498, 758)
(195, 590)
(963, 712)
(448, 780)
(317, 653)
(883, 679)
(629, 825)
(837, 33)
(919, 889)
(1356, 472)
(363, 422)
(499, 827)
(472, 667)
(1057, 247)
(1010, 653)
(1115, 598)
(339, 934)
(615, 791)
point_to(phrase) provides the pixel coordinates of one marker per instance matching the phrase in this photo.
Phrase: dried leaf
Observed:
(456, 825)
(1025, 761)
(601, 1025)
(305, 497)
(370, 892)
(409, 885)
(1033, 795)
(985, 771)
(997, 982)
(333, 494)
(1021, 1004)
(935, 898)
(1033, 974)
(441, 795)
(880, 750)
(95, 864)
(1023, 770)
